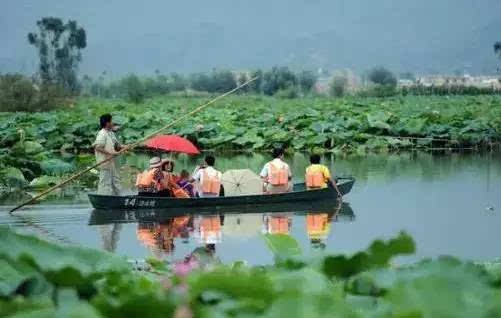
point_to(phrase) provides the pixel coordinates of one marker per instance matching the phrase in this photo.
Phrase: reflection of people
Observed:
(276, 174)
(110, 235)
(318, 176)
(204, 256)
(317, 228)
(157, 236)
(209, 179)
(107, 145)
(209, 229)
(160, 236)
(277, 224)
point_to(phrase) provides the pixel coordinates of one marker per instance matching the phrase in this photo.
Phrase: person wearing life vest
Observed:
(276, 174)
(318, 176)
(208, 179)
(171, 179)
(152, 182)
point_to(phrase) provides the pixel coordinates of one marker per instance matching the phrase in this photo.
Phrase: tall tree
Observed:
(307, 80)
(59, 47)
(382, 76)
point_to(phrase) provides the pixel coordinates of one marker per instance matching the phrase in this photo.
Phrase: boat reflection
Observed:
(160, 231)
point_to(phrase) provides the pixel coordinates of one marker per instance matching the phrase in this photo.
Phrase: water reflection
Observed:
(161, 234)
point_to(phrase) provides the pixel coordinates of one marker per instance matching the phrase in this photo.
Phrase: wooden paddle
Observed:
(133, 145)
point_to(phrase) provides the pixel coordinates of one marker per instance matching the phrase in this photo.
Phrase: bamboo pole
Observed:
(132, 146)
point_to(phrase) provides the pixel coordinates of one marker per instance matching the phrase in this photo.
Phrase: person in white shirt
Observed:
(276, 174)
(107, 145)
(208, 178)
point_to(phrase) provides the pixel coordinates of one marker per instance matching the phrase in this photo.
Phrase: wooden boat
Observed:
(298, 195)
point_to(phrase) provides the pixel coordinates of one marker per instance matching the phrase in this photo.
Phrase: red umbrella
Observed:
(172, 143)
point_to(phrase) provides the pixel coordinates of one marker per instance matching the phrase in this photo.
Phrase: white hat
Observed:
(155, 162)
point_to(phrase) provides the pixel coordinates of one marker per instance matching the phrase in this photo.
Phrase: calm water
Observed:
(450, 204)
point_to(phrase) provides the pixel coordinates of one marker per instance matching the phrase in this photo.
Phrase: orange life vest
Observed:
(278, 176)
(210, 184)
(314, 179)
(145, 179)
(180, 193)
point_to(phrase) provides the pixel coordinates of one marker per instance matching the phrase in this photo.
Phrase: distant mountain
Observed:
(424, 36)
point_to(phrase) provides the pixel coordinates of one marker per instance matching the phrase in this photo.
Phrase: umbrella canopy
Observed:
(241, 182)
(172, 143)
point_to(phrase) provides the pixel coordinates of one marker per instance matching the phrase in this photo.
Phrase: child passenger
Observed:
(184, 183)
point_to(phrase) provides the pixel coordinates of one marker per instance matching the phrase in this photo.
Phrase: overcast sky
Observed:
(187, 36)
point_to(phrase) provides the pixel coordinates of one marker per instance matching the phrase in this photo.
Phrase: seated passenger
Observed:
(184, 183)
(276, 174)
(318, 176)
(168, 169)
(152, 181)
(208, 178)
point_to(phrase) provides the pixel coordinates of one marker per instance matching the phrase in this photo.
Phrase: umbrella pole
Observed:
(134, 145)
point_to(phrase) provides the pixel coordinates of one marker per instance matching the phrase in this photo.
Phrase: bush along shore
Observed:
(91, 283)
(52, 143)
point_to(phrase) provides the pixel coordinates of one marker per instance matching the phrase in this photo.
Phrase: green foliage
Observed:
(351, 125)
(377, 255)
(40, 279)
(337, 86)
(307, 80)
(257, 85)
(218, 81)
(18, 93)
(282, 246)
(278, 78)
(290, 92)
(133, 88)
(59, 48)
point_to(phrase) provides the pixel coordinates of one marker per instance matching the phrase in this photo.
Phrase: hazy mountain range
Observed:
(425, 36)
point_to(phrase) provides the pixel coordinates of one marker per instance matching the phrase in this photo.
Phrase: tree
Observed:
(383, 77)
(242, 78)
(177, 82)
(307, 80)
(59, 48)
(337, 87)
(216, 82)
(497, 49)
(222, 81)
(256, 86)
(278, 78)
(200, 82)
(133, 88)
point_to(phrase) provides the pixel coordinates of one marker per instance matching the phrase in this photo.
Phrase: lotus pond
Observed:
(239, 265)
(302, 263)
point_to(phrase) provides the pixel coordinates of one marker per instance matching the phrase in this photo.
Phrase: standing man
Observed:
(276, 174)
(105, 146)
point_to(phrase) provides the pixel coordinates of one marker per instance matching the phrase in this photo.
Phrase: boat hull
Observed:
(299, 195)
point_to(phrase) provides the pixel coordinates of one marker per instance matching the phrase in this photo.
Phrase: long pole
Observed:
(131, 146)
